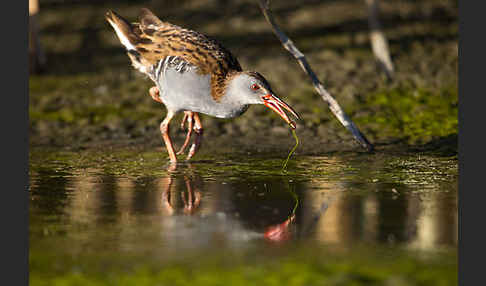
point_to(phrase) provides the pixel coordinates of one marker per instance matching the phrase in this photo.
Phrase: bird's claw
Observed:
(197, 142)
(184, 120)
(188, 117)
(194, 124)
(154, 93)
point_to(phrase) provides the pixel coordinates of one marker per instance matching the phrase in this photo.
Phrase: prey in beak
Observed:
(276, 104)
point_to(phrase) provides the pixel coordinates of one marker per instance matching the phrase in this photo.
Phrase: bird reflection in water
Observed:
(191, 197)
(281, 232)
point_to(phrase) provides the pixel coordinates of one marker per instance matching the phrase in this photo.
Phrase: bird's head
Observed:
(253, 88)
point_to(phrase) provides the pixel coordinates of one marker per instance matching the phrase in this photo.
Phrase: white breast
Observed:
(186, 89)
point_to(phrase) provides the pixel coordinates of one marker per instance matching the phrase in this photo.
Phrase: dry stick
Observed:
(378, 40)
(333, 105)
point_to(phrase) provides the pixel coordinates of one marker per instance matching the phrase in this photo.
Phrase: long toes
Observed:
(184, 120)
(188, 116)
(181, 151)
(198, 129)
(186, 142)
(154, 93)
(197, 143)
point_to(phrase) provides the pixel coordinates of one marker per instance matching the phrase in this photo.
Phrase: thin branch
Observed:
(333, 105)
(378, 39)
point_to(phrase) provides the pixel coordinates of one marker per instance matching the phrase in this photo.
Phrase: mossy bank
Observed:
(89, 93)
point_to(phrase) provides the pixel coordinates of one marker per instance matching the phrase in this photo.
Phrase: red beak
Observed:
(276, 104)
(279, 232)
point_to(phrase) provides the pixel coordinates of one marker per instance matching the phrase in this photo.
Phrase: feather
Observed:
(123, 30)
(154, 40)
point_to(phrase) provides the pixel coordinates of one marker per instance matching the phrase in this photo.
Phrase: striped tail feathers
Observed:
(128, 35)
(124, 30)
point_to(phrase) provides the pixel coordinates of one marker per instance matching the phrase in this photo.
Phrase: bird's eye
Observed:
(255, 86)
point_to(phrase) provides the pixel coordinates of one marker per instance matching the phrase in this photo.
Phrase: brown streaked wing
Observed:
(160, 39)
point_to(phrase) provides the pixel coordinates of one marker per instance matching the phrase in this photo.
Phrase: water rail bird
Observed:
(193, 73)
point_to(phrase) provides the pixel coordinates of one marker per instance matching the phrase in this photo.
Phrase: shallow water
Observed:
(131, 202)
(338, 199)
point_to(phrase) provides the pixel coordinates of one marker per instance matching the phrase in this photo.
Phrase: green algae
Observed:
(415, 115)
(284, 167)
(79, 260)
(387, 166)
(90, 92)
(298, 266)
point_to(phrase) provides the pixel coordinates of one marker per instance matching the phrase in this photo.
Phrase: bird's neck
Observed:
(226, 101)
(233, 103)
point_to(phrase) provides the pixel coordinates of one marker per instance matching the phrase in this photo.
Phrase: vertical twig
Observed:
(378, 40)
(333, 105)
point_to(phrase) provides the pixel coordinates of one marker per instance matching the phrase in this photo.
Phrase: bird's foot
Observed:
(194, 124)
(154, 93)
(198, 130)
(190, 204)
(189, 118)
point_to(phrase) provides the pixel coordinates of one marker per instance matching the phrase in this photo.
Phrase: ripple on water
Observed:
(96, 201)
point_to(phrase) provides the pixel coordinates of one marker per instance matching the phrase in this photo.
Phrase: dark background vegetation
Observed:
(89, 94)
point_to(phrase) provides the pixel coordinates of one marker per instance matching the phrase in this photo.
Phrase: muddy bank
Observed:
(89, 95)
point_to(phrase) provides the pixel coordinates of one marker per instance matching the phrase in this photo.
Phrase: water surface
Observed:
(131, 203)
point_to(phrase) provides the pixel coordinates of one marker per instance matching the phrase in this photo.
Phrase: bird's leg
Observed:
(188, 202)
(184, 119)
(154, 93)
(198, 129)
(164, 129)
(188, 116)
(190, 205)
(166, 197)
(166, 192)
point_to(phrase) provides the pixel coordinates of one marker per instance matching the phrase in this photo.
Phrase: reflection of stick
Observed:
(333, 105)
(378, 40)
(318, 215)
